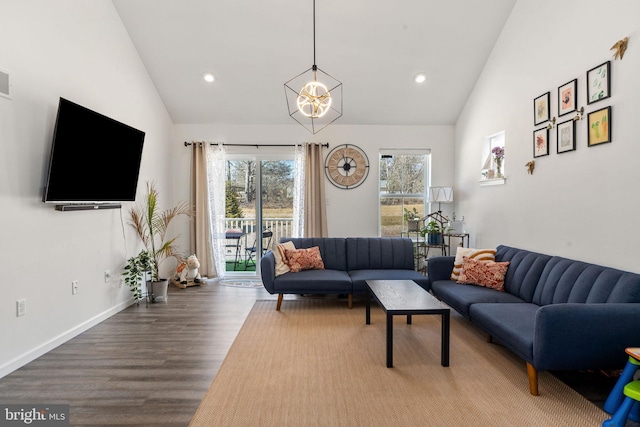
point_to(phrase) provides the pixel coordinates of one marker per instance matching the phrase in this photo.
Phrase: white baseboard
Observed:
(33, 354)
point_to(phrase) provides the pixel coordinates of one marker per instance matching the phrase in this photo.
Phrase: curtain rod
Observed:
(186, 144)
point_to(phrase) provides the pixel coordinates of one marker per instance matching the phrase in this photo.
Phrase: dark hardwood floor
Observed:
(145, 365)
(151, 366)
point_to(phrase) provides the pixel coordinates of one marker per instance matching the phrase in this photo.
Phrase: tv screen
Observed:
(94, 159)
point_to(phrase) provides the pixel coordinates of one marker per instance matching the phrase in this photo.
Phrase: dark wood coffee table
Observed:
(406, 297)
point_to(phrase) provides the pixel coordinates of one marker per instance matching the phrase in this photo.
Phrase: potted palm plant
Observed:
(151, 225)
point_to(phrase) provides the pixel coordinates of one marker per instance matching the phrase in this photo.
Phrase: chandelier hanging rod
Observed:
(314, 36)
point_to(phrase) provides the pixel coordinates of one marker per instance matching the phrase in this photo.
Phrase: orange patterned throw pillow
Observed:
(489, 274)
(304, 259)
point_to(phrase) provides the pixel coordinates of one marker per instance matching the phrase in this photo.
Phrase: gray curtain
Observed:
(200, 230)
(315, 212)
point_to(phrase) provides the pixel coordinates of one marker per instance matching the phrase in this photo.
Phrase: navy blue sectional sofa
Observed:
(348, 262)
(556, 313)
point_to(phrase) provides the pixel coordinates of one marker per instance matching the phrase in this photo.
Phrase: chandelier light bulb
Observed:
(314, 99)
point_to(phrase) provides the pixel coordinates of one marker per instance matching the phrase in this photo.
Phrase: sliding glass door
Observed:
(259, 208)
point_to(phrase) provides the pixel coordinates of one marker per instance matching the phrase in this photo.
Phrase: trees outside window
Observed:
(403, 184)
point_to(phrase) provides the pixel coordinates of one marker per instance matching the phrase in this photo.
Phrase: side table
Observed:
(418, 243)
(461, 236)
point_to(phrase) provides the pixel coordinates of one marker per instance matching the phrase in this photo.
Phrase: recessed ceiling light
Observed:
(208, 77)
(420, 78)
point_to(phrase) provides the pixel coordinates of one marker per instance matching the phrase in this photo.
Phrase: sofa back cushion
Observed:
(333, 250)
(524, 272)
(364, 253)
(568, 281)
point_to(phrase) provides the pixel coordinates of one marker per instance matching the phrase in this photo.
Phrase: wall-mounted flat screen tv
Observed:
(94, 159)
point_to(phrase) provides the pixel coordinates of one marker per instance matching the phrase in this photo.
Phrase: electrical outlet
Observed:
(107, 276)
(74, 287)
(21, 307)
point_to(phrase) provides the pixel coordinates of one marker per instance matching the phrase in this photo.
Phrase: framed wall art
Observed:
(566, 136)
(541, 109)
(541, 142)
(567, 97)
(598, 83)
(599, 123)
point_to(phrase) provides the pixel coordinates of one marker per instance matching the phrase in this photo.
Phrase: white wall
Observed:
(581, 204)
(78, 50)
(351, 212)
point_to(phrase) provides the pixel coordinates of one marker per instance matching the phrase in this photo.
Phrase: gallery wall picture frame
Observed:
(541, 109)
(541, 142)
(599, 83)
(566, 136)
(599, 123)
(568, 97)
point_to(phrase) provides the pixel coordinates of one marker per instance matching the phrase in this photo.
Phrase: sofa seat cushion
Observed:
(460, 297)
(512, 325)
(314, 282)
(359, 277)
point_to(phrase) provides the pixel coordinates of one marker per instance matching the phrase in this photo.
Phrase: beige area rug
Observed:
(316, 363)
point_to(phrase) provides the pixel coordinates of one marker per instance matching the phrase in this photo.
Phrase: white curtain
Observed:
(298, 191)
(216, 177)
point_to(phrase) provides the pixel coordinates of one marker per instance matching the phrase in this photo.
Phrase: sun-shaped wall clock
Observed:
(346, 166)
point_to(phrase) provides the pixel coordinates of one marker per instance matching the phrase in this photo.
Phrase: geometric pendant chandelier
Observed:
(314, 98)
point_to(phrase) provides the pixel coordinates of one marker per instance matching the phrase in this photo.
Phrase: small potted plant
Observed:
(412, 218)
(137, 269)
(433, 231)
(151, 226)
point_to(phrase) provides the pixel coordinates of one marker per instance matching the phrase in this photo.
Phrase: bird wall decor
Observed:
(530, 166)
(620, 47)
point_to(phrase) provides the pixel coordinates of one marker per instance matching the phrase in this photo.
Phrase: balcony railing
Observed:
(236, 248)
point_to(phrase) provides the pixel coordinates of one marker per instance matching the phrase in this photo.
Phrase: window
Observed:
(403, 184)
(493, 161)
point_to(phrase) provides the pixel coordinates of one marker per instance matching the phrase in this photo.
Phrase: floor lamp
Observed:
(440, 195)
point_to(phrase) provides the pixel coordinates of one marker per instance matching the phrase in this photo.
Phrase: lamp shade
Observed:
(441, 194)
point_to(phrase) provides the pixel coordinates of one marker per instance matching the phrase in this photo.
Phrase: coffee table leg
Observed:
(368, 309)
(389, 341)
(445, 340)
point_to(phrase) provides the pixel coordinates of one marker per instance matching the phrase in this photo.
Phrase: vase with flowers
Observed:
(498, 157)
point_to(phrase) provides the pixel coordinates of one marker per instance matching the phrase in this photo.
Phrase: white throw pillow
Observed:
(281, 259)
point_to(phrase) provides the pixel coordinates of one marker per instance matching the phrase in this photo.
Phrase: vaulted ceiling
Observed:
(373, 47)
